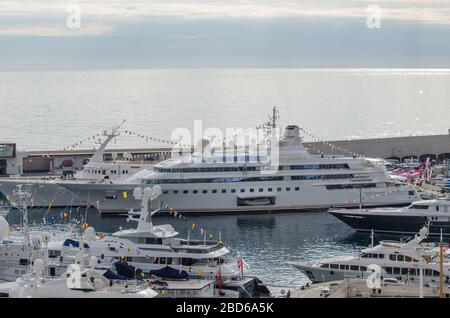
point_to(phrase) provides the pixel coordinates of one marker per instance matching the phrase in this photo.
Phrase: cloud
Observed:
(101, 16)
(49, 31)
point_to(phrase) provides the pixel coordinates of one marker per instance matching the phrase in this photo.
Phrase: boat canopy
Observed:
(73, 243)
(170, 272)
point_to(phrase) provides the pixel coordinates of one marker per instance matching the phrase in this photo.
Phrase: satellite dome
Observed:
(4, 228)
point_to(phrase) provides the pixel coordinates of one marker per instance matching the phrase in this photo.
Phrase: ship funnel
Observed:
(292, 131)
(202, 144)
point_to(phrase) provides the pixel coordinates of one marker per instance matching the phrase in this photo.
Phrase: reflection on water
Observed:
(267, 242)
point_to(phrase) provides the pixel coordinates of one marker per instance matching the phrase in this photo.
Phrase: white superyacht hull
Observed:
(46, 193)
(117, 198)
(319, 275)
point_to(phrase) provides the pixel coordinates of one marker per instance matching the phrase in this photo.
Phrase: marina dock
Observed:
(357, 288)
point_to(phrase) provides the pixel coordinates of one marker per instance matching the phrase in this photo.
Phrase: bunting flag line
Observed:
(171, 211)
(333, 147)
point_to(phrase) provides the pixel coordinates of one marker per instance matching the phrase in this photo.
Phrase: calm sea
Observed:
(50, 110)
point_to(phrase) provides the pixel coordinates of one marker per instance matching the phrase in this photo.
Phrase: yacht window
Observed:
(242, 190)
(195, 191)
(363, 268)
(325, 265)
(233, 190)
(419, 206)
(400, 258)
(288, 189)
(23, 261)
(388, 270)
(380, 255)
(205, 191)
(175, 191)
(344, 267)
(103, 172)
(269, 189)
(252, 190)
(111, 195)
(279, 189)
(396, 271)
(392, 257)
(224, 190)
(185, 191)
(214, 191)
(166, 192)
(365, 255)
(335, 266)
(405, 271)
(297, 188)
(408, 259)
(437, 208)
(261, 190)
(354, 267)
(153, 240)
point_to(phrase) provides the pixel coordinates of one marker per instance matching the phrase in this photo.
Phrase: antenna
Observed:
(21, 197)
(371, 238)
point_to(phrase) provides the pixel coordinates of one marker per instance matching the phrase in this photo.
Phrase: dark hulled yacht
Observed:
(406, 220)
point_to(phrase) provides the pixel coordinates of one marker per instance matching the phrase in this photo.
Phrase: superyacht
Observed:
(237, 181)
(400, 260)
(49, 192)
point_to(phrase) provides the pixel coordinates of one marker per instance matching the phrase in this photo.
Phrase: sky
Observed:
(111, 34)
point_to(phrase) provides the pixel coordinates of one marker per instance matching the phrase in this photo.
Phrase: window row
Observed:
(351, 186)
(103, 172)
(244, 179)
(345, 267)
(254, 168)
(410, 271)
(251, 190)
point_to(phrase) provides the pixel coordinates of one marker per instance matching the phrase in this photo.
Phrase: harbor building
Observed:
(436, 147)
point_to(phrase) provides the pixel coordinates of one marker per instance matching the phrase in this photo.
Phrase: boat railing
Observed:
(197, 249)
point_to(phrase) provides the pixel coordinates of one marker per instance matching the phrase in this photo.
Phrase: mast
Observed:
(98, 155)
(441, 268)
(371, 238)
(360, 197)
(21, 203)
(274, 118)
(146, 196)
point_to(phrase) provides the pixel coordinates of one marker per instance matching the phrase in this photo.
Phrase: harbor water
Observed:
(267, 242)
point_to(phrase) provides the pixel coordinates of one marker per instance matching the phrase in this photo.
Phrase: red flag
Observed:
(219, 279)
